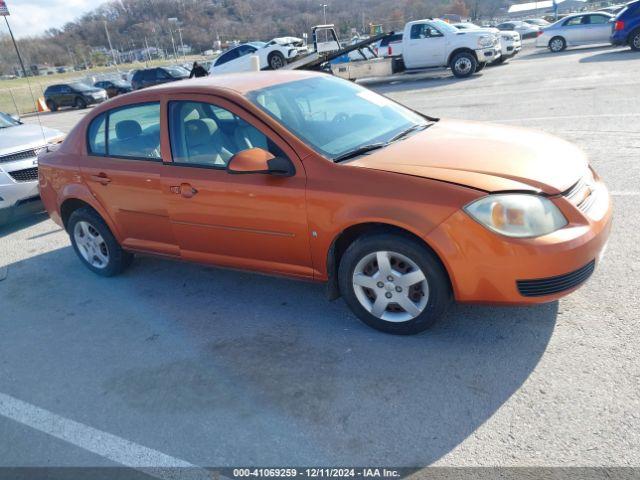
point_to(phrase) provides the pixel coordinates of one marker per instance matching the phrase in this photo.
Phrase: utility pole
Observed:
(113, 53)
(181, 44)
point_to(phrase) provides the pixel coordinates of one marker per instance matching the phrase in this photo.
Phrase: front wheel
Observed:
(81, 103)
(94, 243)
(634, 40)
(276, 61)
(557, 44)
(393, 283)
(463, 64)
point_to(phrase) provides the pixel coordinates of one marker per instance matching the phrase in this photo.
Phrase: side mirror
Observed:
(258, 160)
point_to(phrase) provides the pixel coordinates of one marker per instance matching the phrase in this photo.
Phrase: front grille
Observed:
(25, 175)
(15, 157)
(548, 286)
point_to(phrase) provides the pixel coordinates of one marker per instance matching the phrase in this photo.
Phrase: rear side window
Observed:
(134, 132)
(97, 136)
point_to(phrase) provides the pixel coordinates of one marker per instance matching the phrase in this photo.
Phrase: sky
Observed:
(33, 17)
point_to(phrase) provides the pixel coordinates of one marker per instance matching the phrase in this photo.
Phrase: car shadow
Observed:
(23, 221)
(169, 347)
(415, 81)
(615, 56)
(545, 53)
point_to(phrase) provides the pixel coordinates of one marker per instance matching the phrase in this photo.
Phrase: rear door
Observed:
(253, 221)
(123, 171)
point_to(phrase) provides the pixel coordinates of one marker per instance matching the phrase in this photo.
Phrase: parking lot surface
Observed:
(221, 368)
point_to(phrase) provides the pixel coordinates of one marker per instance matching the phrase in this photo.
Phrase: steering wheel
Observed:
(341, 117)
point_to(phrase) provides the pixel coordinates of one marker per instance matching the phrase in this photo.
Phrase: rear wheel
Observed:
(52, 106)
(81, 103)
(276, 60)
(634, 40)
(463, 64)
(557, 44)
(393, 283)
(94, 243)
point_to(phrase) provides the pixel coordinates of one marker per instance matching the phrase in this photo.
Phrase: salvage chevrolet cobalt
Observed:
(309, 176)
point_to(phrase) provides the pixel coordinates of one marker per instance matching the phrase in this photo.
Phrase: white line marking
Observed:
(566, 117)
(623, 193)
(101, 443)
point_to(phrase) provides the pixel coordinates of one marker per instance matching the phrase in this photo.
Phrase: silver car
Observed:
(19, 148)
(577, 29)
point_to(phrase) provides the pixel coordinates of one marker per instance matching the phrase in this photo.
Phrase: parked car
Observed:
(435, 43)
(526, 30)
(272, 55)
(20, 145)
(114, 87)
(613, 9)
(76, 94)
(626, 26)
(307, 175)
(540, 22)
(576, 29)
(510, 43)
(390, 46)
(154, 76)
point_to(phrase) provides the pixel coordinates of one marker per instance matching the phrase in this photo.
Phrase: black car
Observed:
(114, 87)
(155, 76)
(75, 94)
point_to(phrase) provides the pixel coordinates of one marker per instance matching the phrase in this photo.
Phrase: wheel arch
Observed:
(348, 235)
(78, 197)
(461, 50)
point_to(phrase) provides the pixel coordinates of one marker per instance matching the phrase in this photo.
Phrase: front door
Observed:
(123, 172)
(426, 47)
(252, 221)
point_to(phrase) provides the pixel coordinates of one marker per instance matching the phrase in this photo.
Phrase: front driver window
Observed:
(206, 135)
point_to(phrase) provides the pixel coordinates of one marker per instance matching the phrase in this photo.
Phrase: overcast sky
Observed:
(32, 17)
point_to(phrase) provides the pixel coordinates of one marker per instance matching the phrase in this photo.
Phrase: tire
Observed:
(406, 256)
(463, 64)
(634, 40)
(480, 66)
(80, 103)
(276, 60)
(95, 245)
(52, 106)
(557, 44)
(501, 60)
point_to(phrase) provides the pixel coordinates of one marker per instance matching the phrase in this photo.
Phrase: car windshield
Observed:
(82, 87)
(444, 26)
(178, 72)
(7, 121)
(333, 116)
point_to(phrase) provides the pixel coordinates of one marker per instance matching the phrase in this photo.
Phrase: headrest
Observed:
(198, 132)
(127, 129)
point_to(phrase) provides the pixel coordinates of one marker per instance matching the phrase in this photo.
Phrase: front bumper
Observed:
(485, 267)
(489, 54)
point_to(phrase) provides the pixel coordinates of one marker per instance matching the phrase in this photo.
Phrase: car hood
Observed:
(25, 137)
(483, 156)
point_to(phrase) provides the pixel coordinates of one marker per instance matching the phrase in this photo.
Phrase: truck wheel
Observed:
(463, 64)
(480, 66)
(276, 60)
(557, 44)
(634, 40)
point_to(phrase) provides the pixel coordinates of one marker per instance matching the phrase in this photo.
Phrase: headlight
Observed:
(485, 41)
(517, 215)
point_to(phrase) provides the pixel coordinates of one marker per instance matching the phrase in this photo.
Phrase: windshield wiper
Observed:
(360, 151)
(414, 128)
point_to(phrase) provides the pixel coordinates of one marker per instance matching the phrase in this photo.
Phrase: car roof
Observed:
(239, 82)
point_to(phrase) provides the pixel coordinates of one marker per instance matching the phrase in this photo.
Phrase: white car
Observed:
(510, 42)
(390, 46)
(275, 54)
(577, 29)
(526, 30)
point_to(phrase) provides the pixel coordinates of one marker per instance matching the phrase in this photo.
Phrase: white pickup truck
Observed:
(435, 43)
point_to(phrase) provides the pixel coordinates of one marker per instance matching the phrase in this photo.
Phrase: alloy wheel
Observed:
(91, 245)
(390, 286)
(463, 65)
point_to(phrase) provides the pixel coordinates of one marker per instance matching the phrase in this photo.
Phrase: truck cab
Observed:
(435, 43)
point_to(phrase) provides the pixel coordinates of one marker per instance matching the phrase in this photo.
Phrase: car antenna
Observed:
(24, 72)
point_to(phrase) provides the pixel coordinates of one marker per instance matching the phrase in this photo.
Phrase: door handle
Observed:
(184, 189)
(101, 178)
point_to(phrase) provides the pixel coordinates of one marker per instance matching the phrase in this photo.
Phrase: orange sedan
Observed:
(309, 176)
